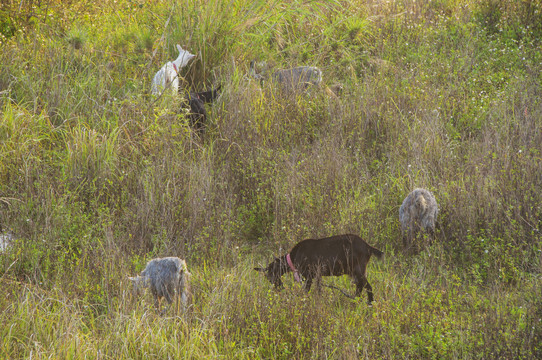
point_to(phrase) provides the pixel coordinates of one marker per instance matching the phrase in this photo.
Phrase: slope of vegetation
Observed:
(96, 177)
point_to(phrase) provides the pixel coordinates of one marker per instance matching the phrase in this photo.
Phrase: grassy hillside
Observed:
(97, 177)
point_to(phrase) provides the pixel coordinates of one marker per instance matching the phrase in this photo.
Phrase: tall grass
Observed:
(96, 177)
(236, 315)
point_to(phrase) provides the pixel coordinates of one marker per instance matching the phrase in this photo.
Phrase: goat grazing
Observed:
(166, 277)
(298, 78)
(418, 211)
(196, 102)
(332, 256)
(168, 74)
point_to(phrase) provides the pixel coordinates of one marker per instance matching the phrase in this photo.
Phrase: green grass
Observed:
(96, 178)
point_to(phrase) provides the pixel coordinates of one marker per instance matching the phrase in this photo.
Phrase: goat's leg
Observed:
(167, 296)
(361, 284)
(369, 289)
(431, 232)
(177, 303)
(157, 302)
(308, 283)
(319, 284)
(407, 238)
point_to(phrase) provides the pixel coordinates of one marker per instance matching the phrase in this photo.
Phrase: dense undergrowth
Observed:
(96, 177)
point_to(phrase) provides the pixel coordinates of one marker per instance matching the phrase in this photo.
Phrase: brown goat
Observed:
(332, 256)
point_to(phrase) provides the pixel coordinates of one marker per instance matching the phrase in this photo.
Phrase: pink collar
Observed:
(175, 67)
(292, 267)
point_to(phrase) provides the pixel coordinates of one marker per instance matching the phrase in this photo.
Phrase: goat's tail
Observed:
(374, 251)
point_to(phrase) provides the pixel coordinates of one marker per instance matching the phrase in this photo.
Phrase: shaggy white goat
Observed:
(166, 277)
(418, 212)
(299, 78)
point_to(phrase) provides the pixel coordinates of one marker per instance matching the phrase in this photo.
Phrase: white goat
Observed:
(168, 74)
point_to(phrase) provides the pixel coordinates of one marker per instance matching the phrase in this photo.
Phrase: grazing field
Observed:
(98, 176)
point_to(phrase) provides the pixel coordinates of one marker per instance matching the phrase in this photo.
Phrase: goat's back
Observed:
(346, 248)
(164, 274)
(300, 76)
(166, 75)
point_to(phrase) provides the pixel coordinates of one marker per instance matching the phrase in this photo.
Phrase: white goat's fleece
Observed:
(168, 73)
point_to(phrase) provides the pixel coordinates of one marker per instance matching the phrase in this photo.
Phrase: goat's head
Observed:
(274, 271)
(421, 203)
(254, 73)
(184, 57)
(139, 283)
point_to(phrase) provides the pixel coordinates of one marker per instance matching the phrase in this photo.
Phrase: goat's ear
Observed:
(133, 279)
(259, 269)
(179, 48)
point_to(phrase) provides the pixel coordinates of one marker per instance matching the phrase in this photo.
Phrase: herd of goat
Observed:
(168, 278)
(308, 260)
